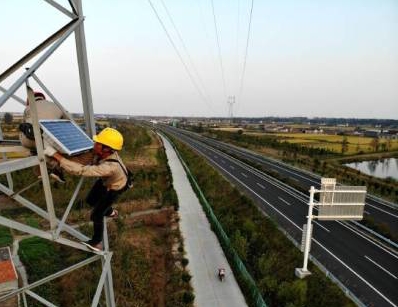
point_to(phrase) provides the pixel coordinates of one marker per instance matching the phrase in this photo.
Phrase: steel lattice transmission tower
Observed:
(230, 102)
(57, 226)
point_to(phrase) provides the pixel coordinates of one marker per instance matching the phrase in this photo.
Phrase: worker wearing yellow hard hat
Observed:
(110, 137)
(113, 178)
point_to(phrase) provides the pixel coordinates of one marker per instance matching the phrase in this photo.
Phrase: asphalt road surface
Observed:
(367, 269)
(380, 210)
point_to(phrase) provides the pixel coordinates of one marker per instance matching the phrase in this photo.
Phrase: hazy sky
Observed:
(305, 58)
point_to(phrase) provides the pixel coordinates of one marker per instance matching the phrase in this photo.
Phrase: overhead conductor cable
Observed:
(247, 47)
(219, 49)
(186, 51)
(179, 55)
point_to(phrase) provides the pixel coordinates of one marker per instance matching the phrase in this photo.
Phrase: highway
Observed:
(380, 210)
(366, 268)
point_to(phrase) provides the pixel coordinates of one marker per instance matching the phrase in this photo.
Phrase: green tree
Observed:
(389, 144)
(293, 293)
(383, 146)
(200, 128)
(344, 145)
(239, 242)
(374, 144)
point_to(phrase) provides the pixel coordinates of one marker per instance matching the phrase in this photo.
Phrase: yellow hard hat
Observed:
(110, 137)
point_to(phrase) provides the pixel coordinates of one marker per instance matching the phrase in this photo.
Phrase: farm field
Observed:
(355, 144)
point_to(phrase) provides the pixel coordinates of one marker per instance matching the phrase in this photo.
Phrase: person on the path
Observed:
(113, 179)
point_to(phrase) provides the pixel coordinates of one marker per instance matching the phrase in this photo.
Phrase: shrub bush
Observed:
(184, 262)
(186, 277)
(188, 297)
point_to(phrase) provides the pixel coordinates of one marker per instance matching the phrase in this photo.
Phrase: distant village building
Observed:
(8, 274)
(275, 129)
(357, 133)
(389, 134)
(313, 131)
(372, 133)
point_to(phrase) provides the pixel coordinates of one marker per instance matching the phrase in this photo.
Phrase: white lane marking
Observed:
(287, 203)
(260, 185)
(300, 196)
(323, 227)
(366, 212)
(361, 235)
(316, 241)
(243, 174)
(231, 167)
(288, 169)
(355, 273)
(382, 210)
(379, 266)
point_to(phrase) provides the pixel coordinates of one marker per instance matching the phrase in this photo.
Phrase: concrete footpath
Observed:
(201, 244)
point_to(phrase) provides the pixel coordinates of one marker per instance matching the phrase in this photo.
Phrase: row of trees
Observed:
(274, 142)
(318, 160)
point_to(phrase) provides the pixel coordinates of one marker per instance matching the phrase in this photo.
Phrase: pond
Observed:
(377, 168)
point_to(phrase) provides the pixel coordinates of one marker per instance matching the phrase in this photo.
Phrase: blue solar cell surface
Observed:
(68, 134)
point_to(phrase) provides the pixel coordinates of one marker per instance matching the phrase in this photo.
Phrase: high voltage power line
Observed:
(186, 51)
(195, 77)
(179, 56)
(247, 47)
(219, 49)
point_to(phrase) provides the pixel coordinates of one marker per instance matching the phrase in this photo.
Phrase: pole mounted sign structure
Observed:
(57, 226)
(335, 203)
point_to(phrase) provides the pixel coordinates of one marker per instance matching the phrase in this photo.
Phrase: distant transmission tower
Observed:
(58, 230)
(230, 102)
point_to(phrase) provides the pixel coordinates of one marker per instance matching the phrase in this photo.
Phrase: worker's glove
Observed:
(48, 150)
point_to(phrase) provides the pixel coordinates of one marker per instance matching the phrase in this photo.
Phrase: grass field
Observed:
(333, 142)
(355, 144)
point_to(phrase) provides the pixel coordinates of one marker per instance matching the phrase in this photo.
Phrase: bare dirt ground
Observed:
(7, 202)
(12, 302)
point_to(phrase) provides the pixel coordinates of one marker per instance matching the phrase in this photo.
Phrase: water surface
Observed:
(377, 168)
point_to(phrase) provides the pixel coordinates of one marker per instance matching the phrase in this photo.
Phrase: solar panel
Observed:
(65, 136)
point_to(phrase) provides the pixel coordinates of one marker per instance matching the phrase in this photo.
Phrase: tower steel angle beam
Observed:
(17, 84)
(39, 211)
(84, 75)
(52, 43)
(51, 277)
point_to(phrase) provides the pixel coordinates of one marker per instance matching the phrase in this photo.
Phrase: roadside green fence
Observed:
(249, 286)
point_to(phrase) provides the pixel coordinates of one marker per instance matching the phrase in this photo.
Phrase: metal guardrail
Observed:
(367, 229)
(328, 274)
(376, 234)
(300, 170)
(243, 274)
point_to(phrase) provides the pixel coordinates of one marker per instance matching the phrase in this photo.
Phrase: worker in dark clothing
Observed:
(113, 179)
